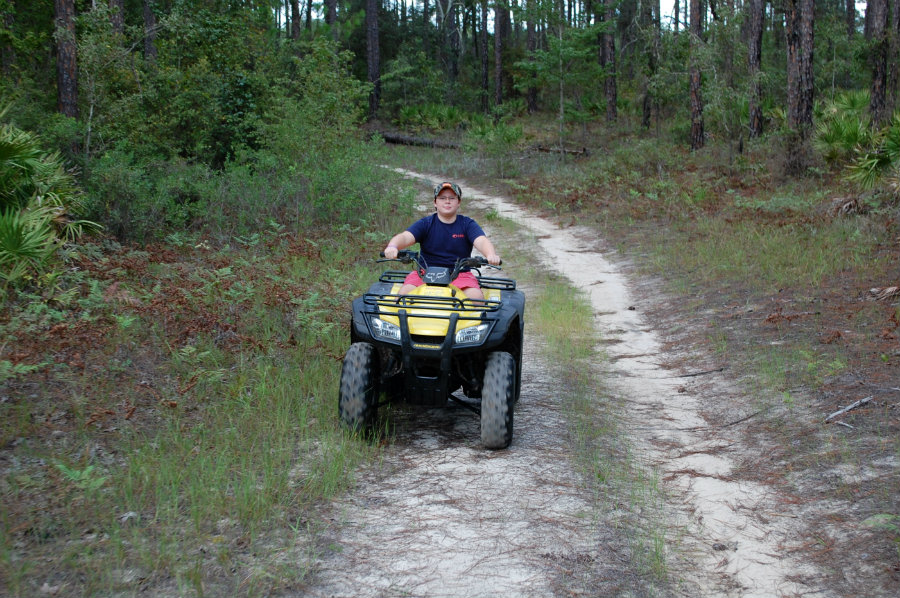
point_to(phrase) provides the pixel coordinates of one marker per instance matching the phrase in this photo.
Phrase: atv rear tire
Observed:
(358, 400)
(497, 398)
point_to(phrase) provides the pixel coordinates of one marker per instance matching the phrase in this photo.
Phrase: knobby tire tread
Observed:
(497, 399)
(358, 401)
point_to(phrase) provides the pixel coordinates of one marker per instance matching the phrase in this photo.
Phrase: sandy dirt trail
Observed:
(441, 517)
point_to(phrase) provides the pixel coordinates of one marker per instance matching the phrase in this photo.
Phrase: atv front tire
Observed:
(358, 400)
(498, 396)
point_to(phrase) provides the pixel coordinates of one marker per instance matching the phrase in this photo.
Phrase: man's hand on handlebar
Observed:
(390, 252)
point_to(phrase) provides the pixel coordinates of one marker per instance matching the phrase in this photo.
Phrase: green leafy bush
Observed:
(880, 158)
(432, 117)
(37, 200)
(26, 243)
(843, 127)
(496, 142)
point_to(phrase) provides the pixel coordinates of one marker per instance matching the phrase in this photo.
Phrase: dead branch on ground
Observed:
(850, 407)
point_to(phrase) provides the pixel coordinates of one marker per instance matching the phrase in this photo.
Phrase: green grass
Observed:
(716, 250)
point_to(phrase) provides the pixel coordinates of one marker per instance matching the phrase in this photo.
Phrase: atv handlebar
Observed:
(406, 256)
(403, 255)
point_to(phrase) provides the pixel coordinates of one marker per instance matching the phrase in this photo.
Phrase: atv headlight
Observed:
(385, 330)
(472, 334)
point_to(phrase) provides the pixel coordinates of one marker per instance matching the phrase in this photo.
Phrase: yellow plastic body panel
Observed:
(439, 322)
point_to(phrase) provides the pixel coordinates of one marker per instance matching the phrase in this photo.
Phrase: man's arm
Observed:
(484, 245)
(398, 242)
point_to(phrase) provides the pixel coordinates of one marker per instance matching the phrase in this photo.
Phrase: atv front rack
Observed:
(426, 359)
(394, 301)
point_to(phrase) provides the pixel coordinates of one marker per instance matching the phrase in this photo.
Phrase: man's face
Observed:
(447, 203)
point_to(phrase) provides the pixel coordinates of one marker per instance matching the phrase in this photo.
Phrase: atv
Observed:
(423, 347)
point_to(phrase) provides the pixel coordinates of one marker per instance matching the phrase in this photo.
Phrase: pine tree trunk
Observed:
(800, 17)
(117, 16)
(66, 53)
(893, 50)
(295, 19)
(531, 46)
(877, 17)
(851, 19)
(149, 32)
(8, 59)
(756, 14)
(608, 60)
(453, 41)
(330, 12)
(501, 14)
(697, 133)
(648, 25)
(373, 55)
(483, 48)
(799, 37)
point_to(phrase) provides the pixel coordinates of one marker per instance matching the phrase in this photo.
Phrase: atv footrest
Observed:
(473, 407)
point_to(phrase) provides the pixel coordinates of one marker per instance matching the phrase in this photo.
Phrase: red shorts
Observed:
(465, 280)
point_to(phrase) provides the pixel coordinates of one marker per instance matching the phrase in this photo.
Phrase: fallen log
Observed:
(399, 139)
(561, 150)
(417, 141)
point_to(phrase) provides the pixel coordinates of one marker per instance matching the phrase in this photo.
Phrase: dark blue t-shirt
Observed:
(442, 244)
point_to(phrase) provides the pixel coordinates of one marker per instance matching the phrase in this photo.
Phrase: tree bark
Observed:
(149, 33)
(851, 19)
(893, 50)
(501, 15)
(117, 16)
(483, 48)
(697, 133)
(756, 14)
(373, 55)
(66, 62)
(608, 59)
(648, 24)
(530, 47)
(453, 41)
(330, 12)
(800, 17)
(877, 17)
(8, 60)
(295, 19)
(426, 20)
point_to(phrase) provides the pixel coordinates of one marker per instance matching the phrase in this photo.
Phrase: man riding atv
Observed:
(445, 237)
(420, 336)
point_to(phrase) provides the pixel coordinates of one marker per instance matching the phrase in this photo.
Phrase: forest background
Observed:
(192, 190)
